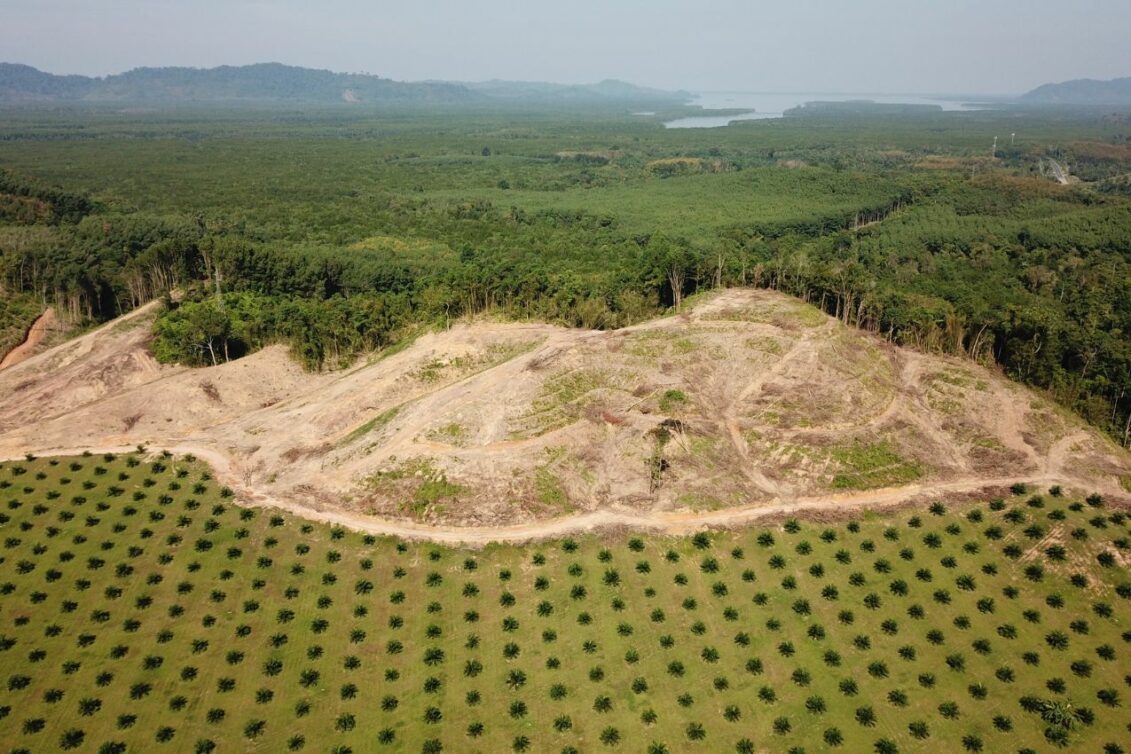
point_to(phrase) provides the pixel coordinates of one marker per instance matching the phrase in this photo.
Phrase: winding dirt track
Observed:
(35, 335)
(669, 522)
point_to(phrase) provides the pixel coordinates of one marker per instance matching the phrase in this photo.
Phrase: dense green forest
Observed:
(340, 232)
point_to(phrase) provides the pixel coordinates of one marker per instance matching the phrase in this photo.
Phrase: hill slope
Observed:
(274, 82)
(1082, 92)
(750, 399)
(262, 82)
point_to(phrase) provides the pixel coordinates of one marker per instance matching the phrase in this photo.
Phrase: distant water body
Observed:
(765, 106)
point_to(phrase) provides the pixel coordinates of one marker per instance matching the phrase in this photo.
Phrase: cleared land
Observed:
(749, 400)
(144, 611)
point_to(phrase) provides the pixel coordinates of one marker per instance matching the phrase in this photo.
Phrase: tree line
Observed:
(988, 269)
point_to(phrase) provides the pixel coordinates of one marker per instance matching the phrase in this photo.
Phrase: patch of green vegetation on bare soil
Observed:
(421, 484)
(563, 397)
(376, 422)
(872, 465)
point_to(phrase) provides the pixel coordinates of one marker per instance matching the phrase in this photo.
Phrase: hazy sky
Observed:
(878, 46)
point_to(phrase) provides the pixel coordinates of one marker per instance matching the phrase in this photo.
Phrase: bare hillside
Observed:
(749, 399)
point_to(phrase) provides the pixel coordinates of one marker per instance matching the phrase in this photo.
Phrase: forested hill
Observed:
(274, 82)
(263, 82)
(1082, 92)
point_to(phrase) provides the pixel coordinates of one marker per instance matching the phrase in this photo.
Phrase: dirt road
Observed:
(35, 335)
(660, 522)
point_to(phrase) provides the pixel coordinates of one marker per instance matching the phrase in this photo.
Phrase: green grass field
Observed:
(143, 610)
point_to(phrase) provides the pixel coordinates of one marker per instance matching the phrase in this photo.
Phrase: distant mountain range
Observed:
(274, 82)
(1115, 92)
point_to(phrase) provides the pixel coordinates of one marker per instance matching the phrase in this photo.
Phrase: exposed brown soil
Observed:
(35, 335)
(749, 405)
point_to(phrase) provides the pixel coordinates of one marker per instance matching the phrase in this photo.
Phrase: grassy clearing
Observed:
(960, 378)
(143, 611)
(672, 400)
(989, 443)
(766, 344)
(377, 422)
(651, 345)
(699, 502)
(402, 344)
(457, 367)
(420, 483)
(548, 489)
(786, 316)
(564, 396)
(868, 466)
(949, 390)
(451, 434)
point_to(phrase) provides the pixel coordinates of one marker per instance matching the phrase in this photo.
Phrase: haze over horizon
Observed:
(878, 46)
